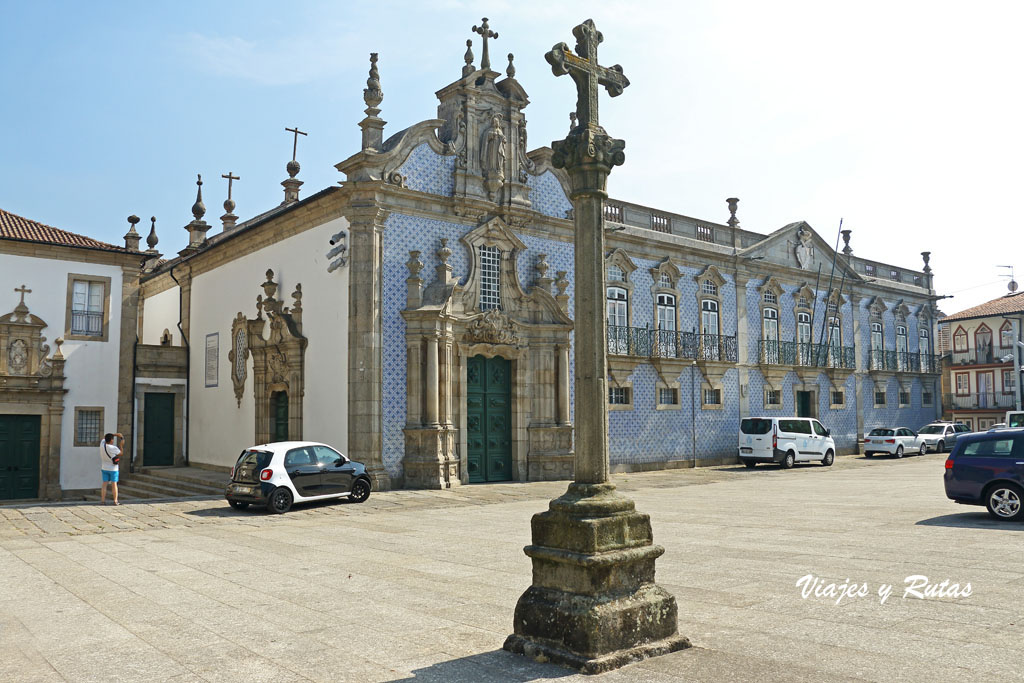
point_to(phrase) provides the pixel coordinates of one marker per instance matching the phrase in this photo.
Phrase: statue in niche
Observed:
(492, 157)
(804, 249)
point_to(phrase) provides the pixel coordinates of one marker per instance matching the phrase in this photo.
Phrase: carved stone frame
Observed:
(239, 326)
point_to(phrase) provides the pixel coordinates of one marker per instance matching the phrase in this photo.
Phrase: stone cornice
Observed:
(65, 253)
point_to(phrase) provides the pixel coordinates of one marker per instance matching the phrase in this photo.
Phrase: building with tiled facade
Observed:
(420, 317)
(982, 374)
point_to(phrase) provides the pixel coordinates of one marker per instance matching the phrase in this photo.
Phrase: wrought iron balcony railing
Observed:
(902, 361)
(805, 354)
(983, 356)
(640, 341)
(980, 400)
(87, 323)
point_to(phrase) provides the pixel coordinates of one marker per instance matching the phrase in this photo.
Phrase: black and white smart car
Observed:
(276, 475)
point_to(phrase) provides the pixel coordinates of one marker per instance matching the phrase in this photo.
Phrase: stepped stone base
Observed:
(593, 605)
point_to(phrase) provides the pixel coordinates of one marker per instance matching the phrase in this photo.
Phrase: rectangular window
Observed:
(869, 268)
(1008, 384)
(490, 282)
(705, 233)
(212, 355)
(838, 399)
(963, 384)
(619, 396)
(660, 223)
(772, 397)
(894, 275)
(712, 397)
(926, 397)
(880, 398)
(1006, 336)
(668, 397)
(87, 308)
(88, 426)
(904, 398)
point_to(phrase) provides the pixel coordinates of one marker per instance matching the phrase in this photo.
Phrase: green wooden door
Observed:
(489, 419)
(279, 416)
(803, 404)
(158, 430)
(19, 456)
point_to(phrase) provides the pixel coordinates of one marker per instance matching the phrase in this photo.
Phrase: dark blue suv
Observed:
(988, 469)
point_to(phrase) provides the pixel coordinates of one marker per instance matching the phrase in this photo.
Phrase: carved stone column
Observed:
(365, 396)
(593, 605)
(563, 384)
(433, 383)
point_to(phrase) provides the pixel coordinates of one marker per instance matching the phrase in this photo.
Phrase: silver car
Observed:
(893, 441)
(940, 436)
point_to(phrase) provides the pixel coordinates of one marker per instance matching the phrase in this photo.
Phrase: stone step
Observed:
(188, 485)
(187, 475)
(160, 489)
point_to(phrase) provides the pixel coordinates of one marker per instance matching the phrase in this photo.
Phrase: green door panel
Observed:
(279, 416)
(488, 421)
(19, 456)
(158, 430)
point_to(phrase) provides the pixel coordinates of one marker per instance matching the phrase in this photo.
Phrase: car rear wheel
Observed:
(789, 460)
(830, 457)
(941, 446)
(899, 451)
(280, 500)
(360, 491)
(924, 448)
(238, 505)
(1004, 502)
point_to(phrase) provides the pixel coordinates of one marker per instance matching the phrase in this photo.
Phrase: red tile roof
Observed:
(1010, 303)
(15, 227)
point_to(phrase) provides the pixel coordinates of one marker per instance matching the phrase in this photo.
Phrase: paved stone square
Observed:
(421, 585)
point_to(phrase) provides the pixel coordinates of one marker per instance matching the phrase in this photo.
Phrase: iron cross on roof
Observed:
(484, 30)
(586, 72)
(295, 143)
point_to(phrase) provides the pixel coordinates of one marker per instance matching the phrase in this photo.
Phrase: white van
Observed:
(785, 440)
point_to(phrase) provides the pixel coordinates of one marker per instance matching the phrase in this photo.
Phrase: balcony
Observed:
(646, 343)
(902, 361)
(87, 323)
(984, 400)
(985, 356)
(805, 354)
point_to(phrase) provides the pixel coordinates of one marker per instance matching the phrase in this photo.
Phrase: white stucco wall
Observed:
(91, 368)
(160, 312)
(219, 428)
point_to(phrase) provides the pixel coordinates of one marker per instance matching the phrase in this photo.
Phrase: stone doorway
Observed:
(489, 419)
(19, 456)
(805, 404)
(158, 425)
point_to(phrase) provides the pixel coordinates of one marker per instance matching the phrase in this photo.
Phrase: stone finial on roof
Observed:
(152, 240)
(199, 209)
(132, 238)
(511, 70)
(229, 219)
(926, 256)
(373, 125)
(846, 241)
(733, 203)
(485, 31)
(468, 68)
(292, 184)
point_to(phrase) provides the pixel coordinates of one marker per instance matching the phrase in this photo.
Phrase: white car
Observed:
(894, 441)
(276, 475)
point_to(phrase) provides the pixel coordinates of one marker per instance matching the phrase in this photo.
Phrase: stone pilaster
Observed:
(365, 393)
(126, 376)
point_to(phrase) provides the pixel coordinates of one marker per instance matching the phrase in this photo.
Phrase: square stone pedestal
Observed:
(593, 605)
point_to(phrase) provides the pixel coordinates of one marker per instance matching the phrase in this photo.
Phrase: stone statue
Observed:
(492, 155)
(804, 249)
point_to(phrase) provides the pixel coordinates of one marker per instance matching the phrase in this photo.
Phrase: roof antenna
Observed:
(1012, 284)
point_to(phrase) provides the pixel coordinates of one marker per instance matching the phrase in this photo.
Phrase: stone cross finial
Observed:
(484, 30)
(23, 291)
(468, 68)
(199, 209)
(586, 72)
(230, 177)
(292, 184)
(229, 218)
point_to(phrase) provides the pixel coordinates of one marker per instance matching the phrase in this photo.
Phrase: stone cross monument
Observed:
(593, 605)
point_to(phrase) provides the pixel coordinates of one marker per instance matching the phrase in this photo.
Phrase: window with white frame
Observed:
(1008, 382)
(619, 396)
(835, 331)
(666, 311)
(1006, 335)
(665, 281)
(960, 339)
(924, 342)
(963, 384)
(770, 298)
(877, 341)
(709, 287)
(618, 307)
(770, 324)
(709, 317)
(668, 396)
(833, 308)
(615, 274)
(490, 278)
(87, 304)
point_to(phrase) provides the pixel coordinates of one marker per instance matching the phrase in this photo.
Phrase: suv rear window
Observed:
(880, 432)
(991, 448)
(795, 426)
(755, 425)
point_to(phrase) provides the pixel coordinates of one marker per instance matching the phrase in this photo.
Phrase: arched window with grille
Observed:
(490, 278)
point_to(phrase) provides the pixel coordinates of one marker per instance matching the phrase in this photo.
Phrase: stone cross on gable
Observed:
(23, 291)
(586, 72)
(484, 30)
(230, 177)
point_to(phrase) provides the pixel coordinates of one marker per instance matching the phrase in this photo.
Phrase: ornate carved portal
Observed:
(32, 383)
(278, 360)
(447, 325)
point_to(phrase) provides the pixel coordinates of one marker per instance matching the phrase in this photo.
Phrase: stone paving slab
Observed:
(420, 586)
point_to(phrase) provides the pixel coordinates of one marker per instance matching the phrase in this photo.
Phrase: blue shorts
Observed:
(110, 476)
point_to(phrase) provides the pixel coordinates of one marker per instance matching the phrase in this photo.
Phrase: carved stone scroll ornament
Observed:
(493, 327)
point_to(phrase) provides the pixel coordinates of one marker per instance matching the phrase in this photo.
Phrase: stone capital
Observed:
(588, 155)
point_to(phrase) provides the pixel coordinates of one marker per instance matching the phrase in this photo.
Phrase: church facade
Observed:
(419, 317)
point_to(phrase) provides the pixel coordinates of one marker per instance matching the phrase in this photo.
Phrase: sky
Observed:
(900, 118)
